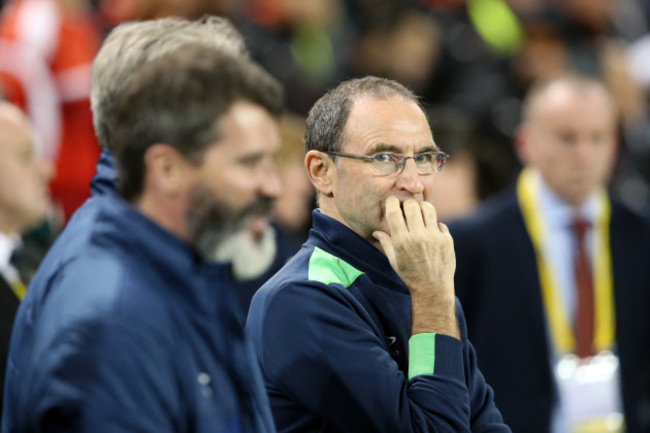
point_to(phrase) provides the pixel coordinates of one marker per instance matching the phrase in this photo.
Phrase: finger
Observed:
(394, 216)
(430, 215)
(387, 245)
(413, 215)
(445, 231)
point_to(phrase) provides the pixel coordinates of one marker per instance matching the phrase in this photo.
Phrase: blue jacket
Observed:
(331, 331)
(124, 328)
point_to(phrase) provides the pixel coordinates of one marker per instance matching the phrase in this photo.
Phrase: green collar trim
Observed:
(327, 269)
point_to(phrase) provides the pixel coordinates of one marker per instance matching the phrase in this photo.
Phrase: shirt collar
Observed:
(105, 179)
(7, 245)
(558, 213)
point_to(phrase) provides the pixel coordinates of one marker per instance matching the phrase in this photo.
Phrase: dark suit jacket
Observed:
(498, 285)
(8, 306)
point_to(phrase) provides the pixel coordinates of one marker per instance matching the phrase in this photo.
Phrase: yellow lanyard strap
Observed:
(561, 331)
(18, 288)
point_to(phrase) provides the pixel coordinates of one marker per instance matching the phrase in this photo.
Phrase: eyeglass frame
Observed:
(400, 166)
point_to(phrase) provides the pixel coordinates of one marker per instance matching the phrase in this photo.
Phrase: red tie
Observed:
(584, 323)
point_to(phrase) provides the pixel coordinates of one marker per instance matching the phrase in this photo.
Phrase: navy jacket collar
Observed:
(105, 179)
(334, 237)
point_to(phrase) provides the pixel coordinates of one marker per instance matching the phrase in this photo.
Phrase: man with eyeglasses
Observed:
(361, 331)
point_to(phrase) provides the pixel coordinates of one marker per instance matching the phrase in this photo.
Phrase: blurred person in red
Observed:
(46, 50)
(24, 203)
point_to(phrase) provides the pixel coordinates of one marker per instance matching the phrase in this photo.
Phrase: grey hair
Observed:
(178, 99)
(132, 44)
(328, 116)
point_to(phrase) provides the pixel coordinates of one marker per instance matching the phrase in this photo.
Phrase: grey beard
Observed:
(209, 240)
(250, 256)
(210, 221)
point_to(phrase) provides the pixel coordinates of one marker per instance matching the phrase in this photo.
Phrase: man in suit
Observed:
(24, 202)
(554, 275)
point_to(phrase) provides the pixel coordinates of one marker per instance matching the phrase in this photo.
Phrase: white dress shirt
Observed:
(7, 245)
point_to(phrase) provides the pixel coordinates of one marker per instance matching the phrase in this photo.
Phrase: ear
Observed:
(165, 169)
(523, 146)
(320, 170)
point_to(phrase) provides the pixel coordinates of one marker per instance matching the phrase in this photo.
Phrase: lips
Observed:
(257, 215)
(257, 224)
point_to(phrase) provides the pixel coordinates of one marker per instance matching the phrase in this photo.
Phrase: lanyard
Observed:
(18, 288)
(11, 277)
(560, 328)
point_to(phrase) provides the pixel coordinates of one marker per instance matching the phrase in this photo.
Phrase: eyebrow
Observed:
(386, 147)
(251, 156)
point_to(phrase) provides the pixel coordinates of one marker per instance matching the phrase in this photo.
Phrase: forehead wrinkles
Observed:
(393, 121)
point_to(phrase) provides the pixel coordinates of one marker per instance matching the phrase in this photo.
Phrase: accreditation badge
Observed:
(589, 391)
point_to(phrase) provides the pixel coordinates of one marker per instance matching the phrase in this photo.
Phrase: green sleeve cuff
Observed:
(422, 354)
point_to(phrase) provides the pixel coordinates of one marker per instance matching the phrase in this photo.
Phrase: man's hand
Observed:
(421, 251)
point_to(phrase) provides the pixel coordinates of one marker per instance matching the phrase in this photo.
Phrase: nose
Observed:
(271, 184)
(409, 179)
(584, 149)
(46, 169)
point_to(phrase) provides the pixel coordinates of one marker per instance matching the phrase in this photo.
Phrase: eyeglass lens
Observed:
(426, 163)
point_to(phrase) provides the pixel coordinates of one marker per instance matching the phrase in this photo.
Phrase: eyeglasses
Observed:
(387, 163)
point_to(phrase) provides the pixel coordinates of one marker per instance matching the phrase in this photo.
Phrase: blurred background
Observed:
(471, 61)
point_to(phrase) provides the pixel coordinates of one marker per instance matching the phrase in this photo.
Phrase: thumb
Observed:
(386, 244)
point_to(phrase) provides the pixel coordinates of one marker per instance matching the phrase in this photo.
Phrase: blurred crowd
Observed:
(470, 60)
(473, 63)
